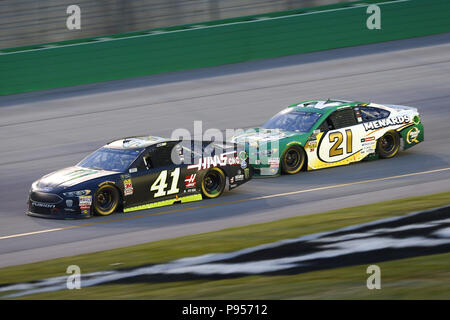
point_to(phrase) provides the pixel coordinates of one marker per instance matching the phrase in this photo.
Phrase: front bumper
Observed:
(265, 170)
(53, 206)
(59, 215)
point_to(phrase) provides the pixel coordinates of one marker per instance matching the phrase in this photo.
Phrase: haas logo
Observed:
(191, 181)
(221, 160)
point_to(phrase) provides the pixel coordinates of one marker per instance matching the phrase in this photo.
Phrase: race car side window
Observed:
(162, 155)
(145, 163)
(326, 125)
(343, 118)
(371, 113)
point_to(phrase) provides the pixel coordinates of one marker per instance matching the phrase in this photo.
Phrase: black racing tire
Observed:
(213, 183)
(388, 145)
(106, 200)
(293, 160)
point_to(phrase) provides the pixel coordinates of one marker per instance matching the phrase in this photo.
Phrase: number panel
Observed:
(335, 139)
(161, 184)
(337, 145)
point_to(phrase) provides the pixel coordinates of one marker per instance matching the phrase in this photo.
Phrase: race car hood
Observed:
(70, 177)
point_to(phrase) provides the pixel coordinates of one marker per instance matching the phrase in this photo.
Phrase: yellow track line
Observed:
(225, 203)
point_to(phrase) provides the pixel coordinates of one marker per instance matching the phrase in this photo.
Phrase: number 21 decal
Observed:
(337, 138)
(160, 184)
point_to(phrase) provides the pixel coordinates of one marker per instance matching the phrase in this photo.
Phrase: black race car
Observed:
(139, 173)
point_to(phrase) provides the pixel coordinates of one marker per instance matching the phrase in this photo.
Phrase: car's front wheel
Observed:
(293, 160)
(106, 200)
(213, 183)
(388, 145)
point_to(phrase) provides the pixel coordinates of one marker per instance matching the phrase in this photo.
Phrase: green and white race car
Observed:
(316, 134)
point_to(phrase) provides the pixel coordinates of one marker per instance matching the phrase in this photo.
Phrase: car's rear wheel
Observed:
(388, 145)
(106, 200)
(213, 183)
(293, 160)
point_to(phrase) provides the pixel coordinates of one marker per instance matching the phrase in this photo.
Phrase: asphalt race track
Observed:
(44, 131)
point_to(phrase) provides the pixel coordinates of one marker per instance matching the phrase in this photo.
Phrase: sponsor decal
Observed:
(232, 180)
(368, 145)
(239, 177)
(191, 181)
(128, 187)
(132, 170)
(244, 164)
(274, 162)
(243, 155)
(368, 139)
(233, 160)
(42, 205)
(377, 124)
(85, 202)
(312, 144)
(220, 160)
(407, 236)
(79, 173)
(411, 136)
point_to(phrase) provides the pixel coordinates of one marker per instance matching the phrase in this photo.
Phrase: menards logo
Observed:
(386, 122)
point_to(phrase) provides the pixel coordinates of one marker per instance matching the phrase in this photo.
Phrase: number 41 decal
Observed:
(160, 184)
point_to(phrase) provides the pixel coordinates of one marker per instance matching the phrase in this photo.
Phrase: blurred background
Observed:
(25, 22)
(59, 103)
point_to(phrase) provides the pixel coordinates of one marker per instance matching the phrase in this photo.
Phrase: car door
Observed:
(341, 143)
(156, 177)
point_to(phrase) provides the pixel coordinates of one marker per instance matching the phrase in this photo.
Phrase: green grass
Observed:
(424, 277)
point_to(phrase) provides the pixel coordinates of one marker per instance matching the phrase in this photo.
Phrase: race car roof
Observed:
(323, 106)
(136, 142)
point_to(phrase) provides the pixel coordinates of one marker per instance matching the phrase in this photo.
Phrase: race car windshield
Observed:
(298, 121)
(110, 159)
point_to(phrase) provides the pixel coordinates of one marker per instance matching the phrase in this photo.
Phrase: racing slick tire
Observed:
(388, 145)
(106, 200)
(213, 183)
(293, 160)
